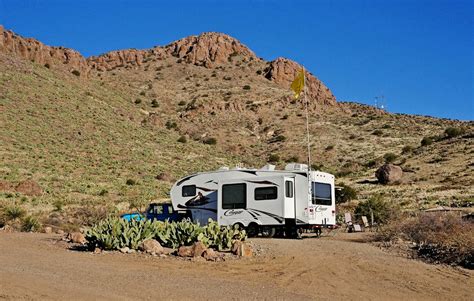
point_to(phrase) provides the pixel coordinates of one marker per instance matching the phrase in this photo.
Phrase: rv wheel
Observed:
(252, 230)
(268, 232)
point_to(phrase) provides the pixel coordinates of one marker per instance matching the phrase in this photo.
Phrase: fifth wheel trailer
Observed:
(263, 201)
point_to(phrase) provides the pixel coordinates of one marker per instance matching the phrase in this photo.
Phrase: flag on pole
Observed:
(298, 84)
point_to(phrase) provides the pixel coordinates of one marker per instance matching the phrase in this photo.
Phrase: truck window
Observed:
(188, 190)
(289, 189)
(266, 193)
(321, 194)
(157, 209)
(234, 196)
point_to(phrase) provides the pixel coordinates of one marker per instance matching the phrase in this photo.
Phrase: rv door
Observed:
(289, 203)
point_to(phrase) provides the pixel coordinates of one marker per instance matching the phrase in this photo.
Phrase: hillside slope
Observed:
(83, 128)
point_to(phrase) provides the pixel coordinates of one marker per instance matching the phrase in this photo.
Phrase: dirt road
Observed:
(35, 266)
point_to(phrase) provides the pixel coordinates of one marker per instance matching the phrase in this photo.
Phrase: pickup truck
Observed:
(155, 211)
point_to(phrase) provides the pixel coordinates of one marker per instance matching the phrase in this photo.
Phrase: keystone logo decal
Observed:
(320, 209)
(233, 212)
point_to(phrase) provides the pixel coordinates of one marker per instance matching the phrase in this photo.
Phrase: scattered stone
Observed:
(210, 255)
(168, 251)
(124, 250)
(241, 248)
(97, 250)
(60, 232)
(151, 246)
(185, 251)
(7, 229)
(48, 230)
(77, 238)
(198, 249)
(389, 173)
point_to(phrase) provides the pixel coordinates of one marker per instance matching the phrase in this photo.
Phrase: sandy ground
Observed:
(36, 266)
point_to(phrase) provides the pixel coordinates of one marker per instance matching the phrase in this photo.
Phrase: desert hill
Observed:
(120, 127)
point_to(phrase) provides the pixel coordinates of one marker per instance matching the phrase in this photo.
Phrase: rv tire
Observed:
(268, 231)
(252, 230)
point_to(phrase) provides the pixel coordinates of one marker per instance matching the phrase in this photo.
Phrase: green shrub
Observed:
(13, 212)
(182, 139)
(329, 147)
(171, 125)
(154, 103)
(47, 65)
(142, 93)
(376, 206)
(210, 141)
(76, 73)
(389, 157)
(181, 103)
(30, 224)
(103, 192)
(293, 159)
(58, 205)
(246, 87)
(273, 158)
(138, 101)
(407, 149)
(452, 132)
(278, 138)
(130, 182)
(426, 141)
(345, 194)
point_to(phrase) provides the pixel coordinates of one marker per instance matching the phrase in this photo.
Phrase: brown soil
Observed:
(37, 266)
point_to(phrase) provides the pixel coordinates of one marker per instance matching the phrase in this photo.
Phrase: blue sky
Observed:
(418, 54)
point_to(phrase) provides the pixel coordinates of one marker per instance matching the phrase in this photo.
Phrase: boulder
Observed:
(77, 238)
(124, 250)
(210, 255)
(241, 248)
(186, 251)
(48, 230)
(389, 173)
(198, 249)
(151, 246)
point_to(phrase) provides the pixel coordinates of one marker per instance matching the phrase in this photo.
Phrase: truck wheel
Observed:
(252, 230)
(268, 231)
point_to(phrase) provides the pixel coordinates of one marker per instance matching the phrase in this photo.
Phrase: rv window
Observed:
(289, 189)
(189, 190)
(234, 196)
(266, 193)
(321, 194)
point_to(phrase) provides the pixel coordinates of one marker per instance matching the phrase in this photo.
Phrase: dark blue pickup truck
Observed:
(155, 211)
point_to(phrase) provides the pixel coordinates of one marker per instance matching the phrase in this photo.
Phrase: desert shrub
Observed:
(115, 233)
(13, 212)
(130, 182)
(142, 93)
(30, 224)
(182, 139)
(273, 158)
(426, 141)
(246, 87)
(138, 101)
(345, 194)
(293, 159)
(58, 205)
(278, 138)
(377, 133)
(171, 125)
(181, 103)
(103, 192)
(407, 149)
(210, 141)
(285, 117)
(452, 132)
(76, 72)
(389, 157)
(386, 126)
(381, 210)
(439, 237)
(329, 147)
(47, 65)
(154, 103)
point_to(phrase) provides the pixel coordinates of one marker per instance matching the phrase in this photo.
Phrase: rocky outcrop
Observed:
(120, 58)
(37, 52)
(389, 174)
(209, 49)
(283, 71)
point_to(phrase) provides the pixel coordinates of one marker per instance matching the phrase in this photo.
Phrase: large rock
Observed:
(241, 248)
(186, 251)
(210, 255)
(77, 238)
(198, 249)
(151, 246)
(389, 174)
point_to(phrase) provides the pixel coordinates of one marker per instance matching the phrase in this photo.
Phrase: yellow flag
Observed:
(298, 84)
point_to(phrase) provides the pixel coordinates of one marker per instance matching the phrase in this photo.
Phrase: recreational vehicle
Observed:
(265, 201)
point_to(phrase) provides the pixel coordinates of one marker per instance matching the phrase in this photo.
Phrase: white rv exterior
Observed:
(264, 200)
